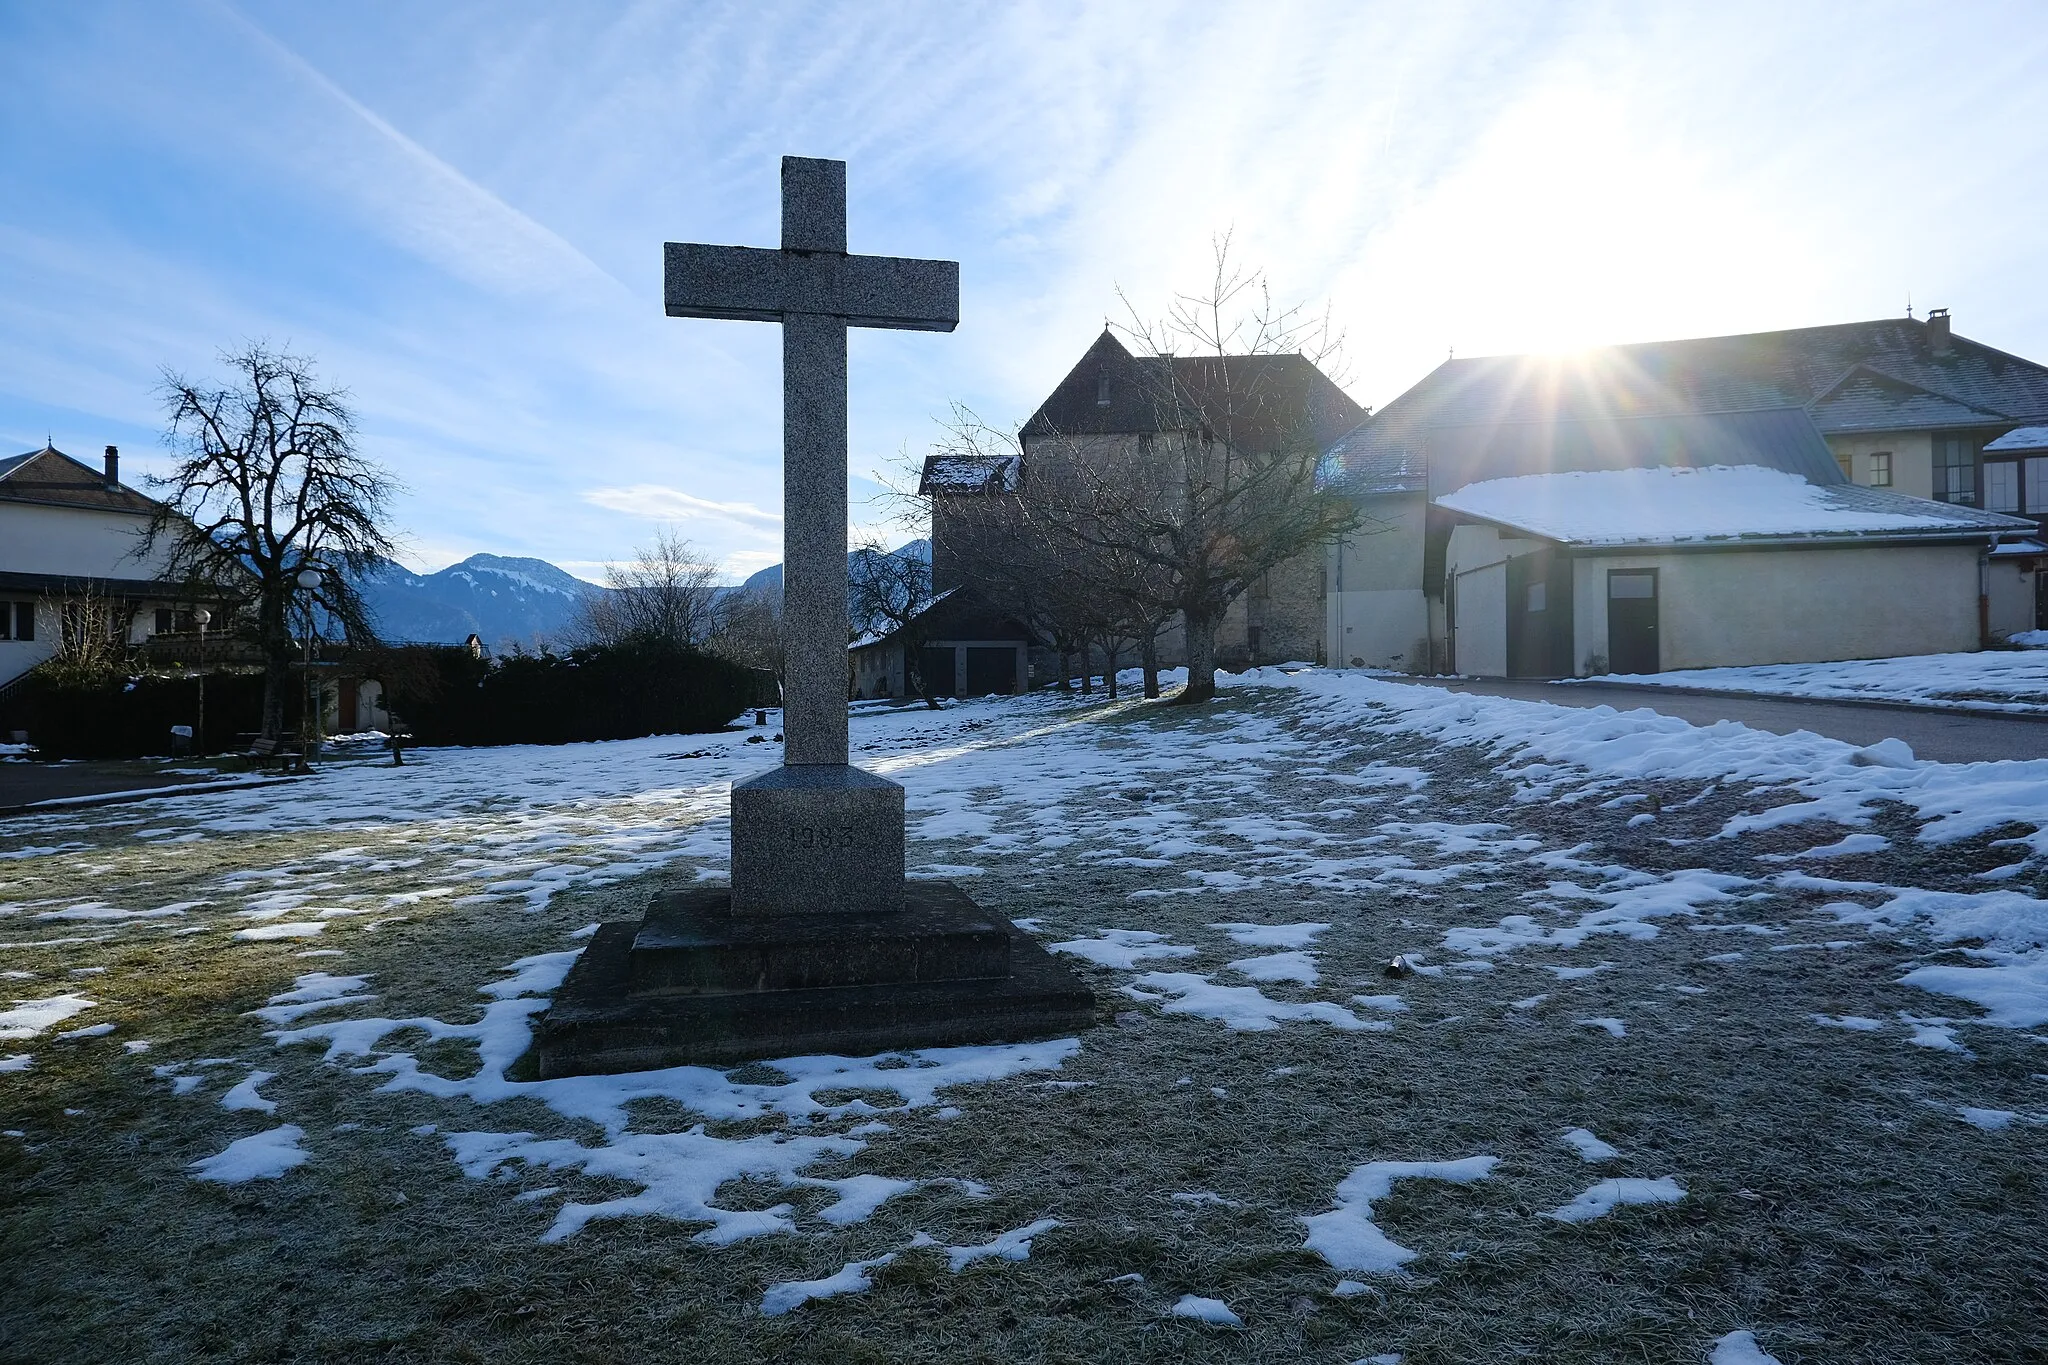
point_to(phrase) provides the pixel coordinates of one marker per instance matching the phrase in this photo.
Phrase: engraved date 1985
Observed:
(821, 836)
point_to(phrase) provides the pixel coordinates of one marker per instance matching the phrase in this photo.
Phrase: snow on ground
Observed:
(1215, 1312)
(29, 1017)
(1740, 1348)
(1609, 1195)
(1031, 786)
(2013, 680)
(1347, 1237)
(1588, 1147)
(265, 1156)
(677, 1174)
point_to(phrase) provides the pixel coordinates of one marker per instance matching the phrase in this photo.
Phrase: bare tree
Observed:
(92, 636)
(669, 592)
(888, 592)
(1229, 490)
(749, 629)
(269, 484)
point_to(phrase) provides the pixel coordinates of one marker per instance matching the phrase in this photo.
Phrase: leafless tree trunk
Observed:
(269, 484)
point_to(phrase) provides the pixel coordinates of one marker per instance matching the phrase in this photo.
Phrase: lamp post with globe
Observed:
(201, 618)
(309, 579)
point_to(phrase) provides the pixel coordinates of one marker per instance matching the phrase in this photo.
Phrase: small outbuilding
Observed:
(1641, 570)
(962, 647)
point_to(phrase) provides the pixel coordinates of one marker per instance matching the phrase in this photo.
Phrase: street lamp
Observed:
(309, 579)
(201, 618)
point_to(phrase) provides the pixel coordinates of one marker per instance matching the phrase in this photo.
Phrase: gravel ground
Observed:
(1835, 1201)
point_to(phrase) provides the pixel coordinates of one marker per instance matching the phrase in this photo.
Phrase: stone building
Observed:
(1905, 441)
(1119, 417)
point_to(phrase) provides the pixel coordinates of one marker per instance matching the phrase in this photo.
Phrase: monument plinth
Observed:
(819, 944)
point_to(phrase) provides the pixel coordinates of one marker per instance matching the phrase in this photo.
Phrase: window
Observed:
(2002, 485)
(1955, 470)
(1537, 593)
(1848, 464)
(1631, 584)
(163, 620)
(1881, 469)
(2036, 484)
(17, 620)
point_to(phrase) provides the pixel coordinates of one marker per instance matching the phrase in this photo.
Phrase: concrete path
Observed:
(1947, 736)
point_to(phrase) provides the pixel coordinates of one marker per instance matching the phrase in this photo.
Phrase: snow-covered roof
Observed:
(1717, 503)
(877, 637)
(958, 474)
(2026, 438)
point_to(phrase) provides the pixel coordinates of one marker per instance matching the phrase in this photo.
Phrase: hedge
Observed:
(121, 717)
(446, 696)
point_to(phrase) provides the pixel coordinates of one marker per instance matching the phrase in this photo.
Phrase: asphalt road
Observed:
(1946, 736)
(22, 782)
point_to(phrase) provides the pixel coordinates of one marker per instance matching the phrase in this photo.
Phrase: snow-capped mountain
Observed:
(497, 598)
(503, 600)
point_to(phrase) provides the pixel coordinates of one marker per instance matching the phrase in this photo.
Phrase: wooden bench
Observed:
(272, 752)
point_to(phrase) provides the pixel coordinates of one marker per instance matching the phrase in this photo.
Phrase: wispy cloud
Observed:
(459, 209)
(653, 502)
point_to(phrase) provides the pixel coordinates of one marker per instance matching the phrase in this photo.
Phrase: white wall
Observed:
(19, 656)
(1738, 607)
(1912, 455)
(2011, 593)
(1374, 611)
(1481, 649)
(76, 542)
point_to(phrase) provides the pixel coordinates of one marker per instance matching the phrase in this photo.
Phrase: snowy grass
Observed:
(1846, 1193)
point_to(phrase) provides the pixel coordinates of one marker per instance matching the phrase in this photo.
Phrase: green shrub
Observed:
(649, 687)
(72, 714)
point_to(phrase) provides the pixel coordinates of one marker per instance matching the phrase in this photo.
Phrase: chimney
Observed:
(1938, 332)
(113, 469)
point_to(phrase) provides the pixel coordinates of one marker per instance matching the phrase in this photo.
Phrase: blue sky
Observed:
(458, 209)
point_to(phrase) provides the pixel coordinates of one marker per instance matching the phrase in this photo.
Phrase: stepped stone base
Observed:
(696, 983)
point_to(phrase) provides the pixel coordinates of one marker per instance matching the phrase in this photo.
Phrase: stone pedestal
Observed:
(817, 838)
(694, 982)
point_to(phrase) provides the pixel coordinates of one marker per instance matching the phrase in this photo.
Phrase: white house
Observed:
(71, 535)
(1906, 517)
(1640, 570)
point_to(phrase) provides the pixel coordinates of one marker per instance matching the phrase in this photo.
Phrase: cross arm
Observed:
(757, 284)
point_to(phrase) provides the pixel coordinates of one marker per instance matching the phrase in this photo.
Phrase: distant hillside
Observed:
(771, 577)
(502, 600)
(496, 598)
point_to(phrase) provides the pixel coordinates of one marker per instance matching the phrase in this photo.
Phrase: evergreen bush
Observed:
(638, 687)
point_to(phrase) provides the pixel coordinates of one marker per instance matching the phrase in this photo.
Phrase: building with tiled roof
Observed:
(72, 535)
(1905, 407)
(1110, 410)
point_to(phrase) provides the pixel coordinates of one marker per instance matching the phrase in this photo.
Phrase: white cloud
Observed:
(654, 502)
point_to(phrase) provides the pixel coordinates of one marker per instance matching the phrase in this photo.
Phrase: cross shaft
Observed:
(816, 291)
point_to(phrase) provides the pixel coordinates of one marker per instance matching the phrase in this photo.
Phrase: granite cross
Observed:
(815, 835)
(816, 291)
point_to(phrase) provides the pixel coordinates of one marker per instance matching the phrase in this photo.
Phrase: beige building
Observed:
(1897, 408)
(1649, 569)
(72, 558)
(1123, 419)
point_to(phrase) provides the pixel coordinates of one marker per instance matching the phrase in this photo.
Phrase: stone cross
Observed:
(817, 835)
(816, 291)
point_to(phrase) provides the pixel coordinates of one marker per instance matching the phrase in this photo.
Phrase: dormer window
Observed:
(1102, 388)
